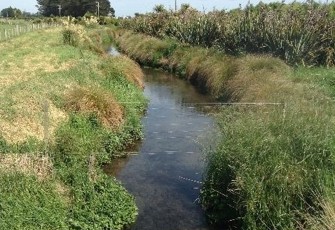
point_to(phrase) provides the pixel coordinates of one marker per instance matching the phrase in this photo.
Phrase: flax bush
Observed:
(299, 33)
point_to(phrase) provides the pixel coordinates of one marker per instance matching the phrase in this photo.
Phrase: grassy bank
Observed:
(273, 166)
(224, 77)
(66, 108)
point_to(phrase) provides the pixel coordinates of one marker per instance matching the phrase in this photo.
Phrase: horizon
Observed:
(129, 8)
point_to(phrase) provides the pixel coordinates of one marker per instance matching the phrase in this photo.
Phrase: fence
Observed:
(17, 30)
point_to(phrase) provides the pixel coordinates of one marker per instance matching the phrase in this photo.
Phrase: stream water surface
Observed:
(164, 171)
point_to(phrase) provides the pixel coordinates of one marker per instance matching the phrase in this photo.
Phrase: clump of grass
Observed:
(324, 214)
(259, 79)
(70, 37)
(128, 68)
(268, 164)
(95, 101)
(146, 50)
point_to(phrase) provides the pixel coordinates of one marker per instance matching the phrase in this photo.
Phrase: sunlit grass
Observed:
(59, 108)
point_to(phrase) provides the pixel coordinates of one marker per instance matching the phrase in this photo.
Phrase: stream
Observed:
(164, 171)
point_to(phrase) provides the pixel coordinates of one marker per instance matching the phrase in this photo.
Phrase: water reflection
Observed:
(163, 176)
(113, 51)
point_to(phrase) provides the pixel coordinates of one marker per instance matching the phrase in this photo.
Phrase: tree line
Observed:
(10, 12)
(75, 8)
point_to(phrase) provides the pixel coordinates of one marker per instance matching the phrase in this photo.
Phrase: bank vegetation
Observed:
(62, 115)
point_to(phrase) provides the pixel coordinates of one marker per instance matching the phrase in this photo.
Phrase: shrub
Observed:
(70, 37)
(299, 33)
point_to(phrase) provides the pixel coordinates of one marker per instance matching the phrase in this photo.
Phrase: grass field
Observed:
(60, 119)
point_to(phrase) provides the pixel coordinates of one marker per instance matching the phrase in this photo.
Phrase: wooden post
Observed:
(46, 125)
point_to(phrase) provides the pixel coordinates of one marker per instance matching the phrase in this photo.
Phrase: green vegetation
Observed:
(75, 8)
(27, 203)
(298, 33)
(63, 115)
(273, 166)
(224, 77)
(11, 12)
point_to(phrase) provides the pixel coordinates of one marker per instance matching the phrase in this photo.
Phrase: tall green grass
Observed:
(269, 166)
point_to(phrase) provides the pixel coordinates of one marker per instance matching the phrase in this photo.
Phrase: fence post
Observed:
(46, 125)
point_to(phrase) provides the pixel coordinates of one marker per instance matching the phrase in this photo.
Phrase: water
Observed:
(164, 170)
(113, 51)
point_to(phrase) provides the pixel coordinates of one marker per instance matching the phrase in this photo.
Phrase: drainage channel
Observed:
(164, 171)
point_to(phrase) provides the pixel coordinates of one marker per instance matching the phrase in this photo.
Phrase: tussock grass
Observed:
(259, 79)
(268, 164)
(246, 79)
(95, 101)
(144, 49)
(323, 218)
(127, 67)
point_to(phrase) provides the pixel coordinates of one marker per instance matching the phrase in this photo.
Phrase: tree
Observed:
(11, 12)
(160, 8)
(74, 8)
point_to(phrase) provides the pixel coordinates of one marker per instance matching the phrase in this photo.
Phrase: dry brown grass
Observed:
(31, 63)
(39, 166)
(28, 121)
(130, 69)
(23, 62)
(98, 102)
(324, 220)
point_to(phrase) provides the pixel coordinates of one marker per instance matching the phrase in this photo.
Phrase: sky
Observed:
(130, 7)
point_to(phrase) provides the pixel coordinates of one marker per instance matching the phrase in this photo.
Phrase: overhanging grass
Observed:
(269, 164)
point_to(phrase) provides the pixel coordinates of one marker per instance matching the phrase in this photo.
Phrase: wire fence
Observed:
(17, 30)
